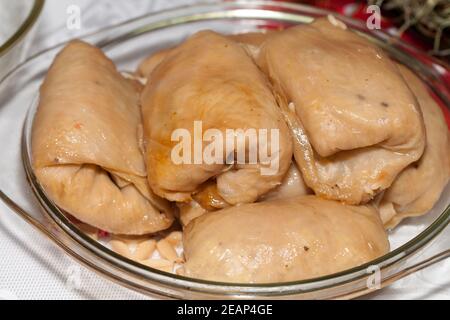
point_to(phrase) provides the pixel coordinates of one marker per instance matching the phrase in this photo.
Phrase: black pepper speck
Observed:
(361, 97)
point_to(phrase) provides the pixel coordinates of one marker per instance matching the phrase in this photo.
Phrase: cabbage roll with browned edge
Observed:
(282, 240)
(210, 80)
(292, 185)
(356, 124)
(420, 185)
(86, 145)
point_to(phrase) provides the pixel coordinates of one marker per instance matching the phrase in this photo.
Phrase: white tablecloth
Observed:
(31, 267)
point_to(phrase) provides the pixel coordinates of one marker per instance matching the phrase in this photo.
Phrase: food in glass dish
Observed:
(86, 145)
(417, 188)
(349, 115)
(282, 240)
(356, 124)
(199, 83)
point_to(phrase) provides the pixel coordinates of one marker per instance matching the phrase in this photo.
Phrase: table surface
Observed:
(31, 267)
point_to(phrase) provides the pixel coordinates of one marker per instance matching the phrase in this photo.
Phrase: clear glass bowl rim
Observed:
(225, 11)
(24, 27)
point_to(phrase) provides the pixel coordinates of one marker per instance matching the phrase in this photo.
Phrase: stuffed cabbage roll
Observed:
(251, 41)
(291, 186)
(282, 240)
(420, 185)
(188, 211)
(356, 124)
(151, 62)
(209, 81)
(207, 200)
(86, 149)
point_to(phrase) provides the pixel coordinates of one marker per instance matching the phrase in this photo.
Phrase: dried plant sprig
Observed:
(431, 17)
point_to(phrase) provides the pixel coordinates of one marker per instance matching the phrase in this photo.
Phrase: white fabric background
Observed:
(33, 268)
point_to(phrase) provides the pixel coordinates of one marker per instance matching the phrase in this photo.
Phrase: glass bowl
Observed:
(127, 43)
(18, 19)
